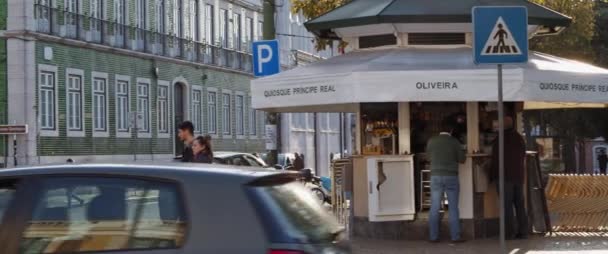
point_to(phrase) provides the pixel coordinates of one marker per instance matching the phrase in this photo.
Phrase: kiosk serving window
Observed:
(379, 128)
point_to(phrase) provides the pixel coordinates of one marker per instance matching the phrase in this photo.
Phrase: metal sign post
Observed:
(501, 161)
(501, 36)
(266, 62)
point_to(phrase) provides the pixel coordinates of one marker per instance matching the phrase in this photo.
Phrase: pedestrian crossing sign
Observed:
(501, 35)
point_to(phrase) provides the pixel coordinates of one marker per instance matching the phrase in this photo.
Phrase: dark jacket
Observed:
(187, 154)
(298, 163)
(203, 158)
(515, 156)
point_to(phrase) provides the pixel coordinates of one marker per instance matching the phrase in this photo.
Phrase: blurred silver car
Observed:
(238, 159)
(160, 209)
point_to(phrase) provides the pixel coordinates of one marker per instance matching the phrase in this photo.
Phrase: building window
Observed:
(253, 121)
(74, 103)
(99, 104)
(226, 113)
(140, 14)
(240, 115)
(96, 8)
(71, 6)
(122, 106)
(212, 114)
(196, 111)
(193, 18)
(71, 17)
(178, 18)
(236, 31)
(160, 16)
(224, 28)
(248, 33)
(209, 24)
(260, 30)
(63, 200)
(143, 107)
(119, 11)
(47, 100)
(163, 109)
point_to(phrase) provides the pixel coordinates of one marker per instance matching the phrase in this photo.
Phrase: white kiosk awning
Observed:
(425, 75)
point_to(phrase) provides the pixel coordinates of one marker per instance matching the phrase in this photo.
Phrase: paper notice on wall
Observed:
(271, 137)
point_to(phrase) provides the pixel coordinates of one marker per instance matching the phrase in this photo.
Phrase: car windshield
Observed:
(298, 213)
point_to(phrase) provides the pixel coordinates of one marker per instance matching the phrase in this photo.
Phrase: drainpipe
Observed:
(315, 143)
(341, 136)
(272, 118)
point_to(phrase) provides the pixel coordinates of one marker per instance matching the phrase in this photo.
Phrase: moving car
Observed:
(160, 209)
(238, 159)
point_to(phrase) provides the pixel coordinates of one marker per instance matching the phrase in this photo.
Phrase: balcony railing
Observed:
(76, 26)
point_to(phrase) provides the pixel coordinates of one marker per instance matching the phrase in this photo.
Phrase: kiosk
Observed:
(409, 65)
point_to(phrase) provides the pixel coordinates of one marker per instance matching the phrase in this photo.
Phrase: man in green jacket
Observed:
(445, 153)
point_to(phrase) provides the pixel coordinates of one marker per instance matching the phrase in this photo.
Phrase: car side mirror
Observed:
(278, 167)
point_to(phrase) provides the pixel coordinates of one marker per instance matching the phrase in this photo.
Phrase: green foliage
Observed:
(311, 9)
(3, 14)
(601, 38)
(576, 41)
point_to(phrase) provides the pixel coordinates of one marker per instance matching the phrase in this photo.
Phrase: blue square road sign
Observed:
(501, 34)
(266, 59)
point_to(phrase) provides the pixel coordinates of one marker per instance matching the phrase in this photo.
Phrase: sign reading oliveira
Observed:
(300, 91)
(573, 87)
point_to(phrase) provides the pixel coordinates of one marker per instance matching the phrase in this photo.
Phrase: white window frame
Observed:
(94, 76)
(215, 122)
(119, 8)
(253, 126)
(167, 133)
(197, 120)
(72, 6)
(177, 19)
(237, 30)
(80, 73)
(122, 133)
(224, 31)
(249, 30)
(240, 119)
(260, 29)
(209, 33)
(144, 133)
(95, 10)
(230, 109)
(193, 19)
(160, 17)
(140, 14)
(42, 68)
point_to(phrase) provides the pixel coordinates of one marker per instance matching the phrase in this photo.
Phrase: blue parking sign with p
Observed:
(266, 59)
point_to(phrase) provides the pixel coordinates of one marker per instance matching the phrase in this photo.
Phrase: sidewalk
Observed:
(536, 245)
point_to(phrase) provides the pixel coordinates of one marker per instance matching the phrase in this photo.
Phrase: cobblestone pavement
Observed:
(535, 245)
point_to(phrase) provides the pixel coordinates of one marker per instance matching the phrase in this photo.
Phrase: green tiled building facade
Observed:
(105, 80)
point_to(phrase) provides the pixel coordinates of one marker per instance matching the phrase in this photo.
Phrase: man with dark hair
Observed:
(445, 153)
(185, 132)
(515, 156)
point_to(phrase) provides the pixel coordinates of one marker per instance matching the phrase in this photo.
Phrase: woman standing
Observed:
(201, 148)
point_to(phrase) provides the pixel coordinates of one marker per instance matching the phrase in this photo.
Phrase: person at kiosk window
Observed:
(445, 153)
(515, 155)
